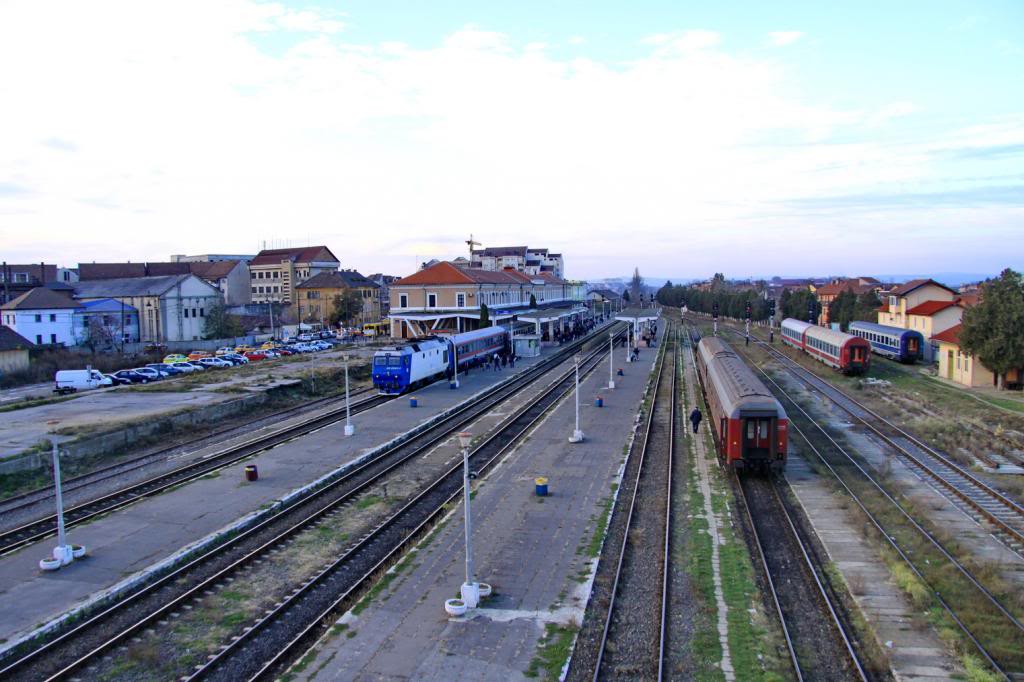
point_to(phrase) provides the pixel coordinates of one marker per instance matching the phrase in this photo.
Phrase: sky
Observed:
(683, 138)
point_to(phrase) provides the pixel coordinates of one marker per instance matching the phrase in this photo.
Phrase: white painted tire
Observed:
(454, 607)
(78, 551)
(485, 590)
(49, 564)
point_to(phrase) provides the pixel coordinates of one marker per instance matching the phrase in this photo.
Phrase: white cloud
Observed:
(783, 38)
(188, 138)
(577, 40)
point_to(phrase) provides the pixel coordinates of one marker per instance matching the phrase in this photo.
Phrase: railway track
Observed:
(816, 634)
(967, 491)
(16, 503)
(633, 642)
(985, 622)
(26, 534)
(80, 648)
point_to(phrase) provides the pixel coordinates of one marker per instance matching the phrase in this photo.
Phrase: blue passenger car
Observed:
(904, 345)
(401, 368)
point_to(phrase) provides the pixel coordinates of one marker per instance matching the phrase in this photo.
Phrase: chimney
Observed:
(42, 273)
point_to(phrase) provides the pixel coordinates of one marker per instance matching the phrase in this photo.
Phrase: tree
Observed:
(485, 316)
(993, 330)
(221, 325)
(346, 307)
(625, 296)
(842, 307)
(533, 301)
(636, 285)
(96, 334)
(866, 309)
(800, 302)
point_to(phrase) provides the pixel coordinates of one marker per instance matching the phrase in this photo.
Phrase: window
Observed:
(39, 339)
(254, 290)
(53, 317)
(431, 300)
(403, 300)
(276, 274)
(202, 312)
(460, 300)
(186, 312)
(39, 318)
(261, 274)
(53, 338)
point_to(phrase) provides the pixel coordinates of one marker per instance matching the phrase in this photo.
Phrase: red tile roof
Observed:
(447, 273)
(929, 308)
(884, 308)
(308, 254)
(969, 300)
(837, 288)
(951, 335)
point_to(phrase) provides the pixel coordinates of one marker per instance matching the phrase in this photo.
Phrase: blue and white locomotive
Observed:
(904, 345)
(420, 362)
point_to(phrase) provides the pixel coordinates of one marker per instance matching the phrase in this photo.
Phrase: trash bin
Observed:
(541, 486)
(599, 402)
(251, 474)
(412, 402)
(620, 372)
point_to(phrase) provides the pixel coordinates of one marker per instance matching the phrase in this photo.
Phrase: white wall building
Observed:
(42, 316)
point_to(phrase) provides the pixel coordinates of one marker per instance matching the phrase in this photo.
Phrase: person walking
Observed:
(695, 418)
(497, 363)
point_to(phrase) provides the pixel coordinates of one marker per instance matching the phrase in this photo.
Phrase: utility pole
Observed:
(611, 360)
(577, 434)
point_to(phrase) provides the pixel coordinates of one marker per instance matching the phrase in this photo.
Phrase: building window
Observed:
(53, 317)
(53, 338)
(460, 300)
(431, 300)
(276, 273)
(39, 318)
(403, 300)
(202, 313)
(39, 339)
(254, 290)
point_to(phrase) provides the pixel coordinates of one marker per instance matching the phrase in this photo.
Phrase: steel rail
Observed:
(441, 431)
(665, 567)
(29, 533)
(45, 494)
(892, 541)
(629, 521)
(983, 488)
(295, 645)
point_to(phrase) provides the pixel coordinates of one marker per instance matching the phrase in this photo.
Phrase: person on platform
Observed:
(695, 418)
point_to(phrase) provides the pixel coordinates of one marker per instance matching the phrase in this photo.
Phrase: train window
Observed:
(380, 360)
(395, 360)
(762, 428)
(750, 429)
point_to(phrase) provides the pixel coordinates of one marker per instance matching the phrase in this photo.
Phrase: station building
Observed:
(444, 298)
(925, 306)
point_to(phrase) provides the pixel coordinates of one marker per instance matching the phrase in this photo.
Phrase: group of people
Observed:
(495, 362)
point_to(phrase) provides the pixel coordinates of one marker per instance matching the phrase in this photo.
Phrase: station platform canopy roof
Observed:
(638, 314)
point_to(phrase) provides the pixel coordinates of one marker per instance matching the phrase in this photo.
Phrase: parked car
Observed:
(71, 380)
(116, 380)
(255, 355)
(132, 377)
(183, 366)
(173, 358)
(163, 367)
(224, 350)
(154, 375)
(305, 337)
(199, 354)
(235, 358)
(243, 349)
(196, 366)
(215, 362)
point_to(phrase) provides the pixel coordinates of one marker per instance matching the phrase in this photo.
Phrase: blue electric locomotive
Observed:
(399, 369)
(904, 345)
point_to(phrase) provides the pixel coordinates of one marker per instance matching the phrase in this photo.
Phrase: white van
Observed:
(71, 380)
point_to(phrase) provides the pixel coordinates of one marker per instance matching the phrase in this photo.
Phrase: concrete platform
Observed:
(528, 548)
(135, 538)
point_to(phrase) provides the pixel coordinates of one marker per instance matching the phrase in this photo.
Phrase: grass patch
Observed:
(552, 651)
(593, 546)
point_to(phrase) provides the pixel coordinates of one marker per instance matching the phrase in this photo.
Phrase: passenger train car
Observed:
(750, 425)
(398, 369)
(904, 345)
(848, 353)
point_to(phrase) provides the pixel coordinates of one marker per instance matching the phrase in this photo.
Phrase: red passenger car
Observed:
(751, 427)
(848, 353)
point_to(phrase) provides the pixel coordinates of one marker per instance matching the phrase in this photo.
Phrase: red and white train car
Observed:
(848, 353)
(751, 426)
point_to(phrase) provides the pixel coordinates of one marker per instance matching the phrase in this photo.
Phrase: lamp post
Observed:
(577, 434)
(470, 588)
(611, 360)
(63, 553)
(349, 428)
(629, 343)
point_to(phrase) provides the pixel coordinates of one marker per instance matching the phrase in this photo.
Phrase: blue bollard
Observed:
(412, 402)
(599, 402)
(620, 372)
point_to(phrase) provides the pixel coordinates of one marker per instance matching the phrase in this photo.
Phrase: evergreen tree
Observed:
(867, 306)
(842, 307)
(993, 330)
(533, 301)
(636, 284)
(485, 316)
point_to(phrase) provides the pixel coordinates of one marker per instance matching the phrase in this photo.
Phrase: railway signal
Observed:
(714, 317)
(771, 320)
(747, 324)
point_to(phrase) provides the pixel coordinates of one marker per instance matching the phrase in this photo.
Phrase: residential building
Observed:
(828, 292)
(521, 258)
(383, 283)
(922, 305)
(274, 273)
(230, 276)
(170, 307)
(957, 365)
(444, 298)
(13, 351)
(43, 316)
(15, 280)
(315, 298)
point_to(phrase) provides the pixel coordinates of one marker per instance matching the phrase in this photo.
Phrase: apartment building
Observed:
(274, 273)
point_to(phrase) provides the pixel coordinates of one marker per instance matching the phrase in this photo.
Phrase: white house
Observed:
(43, 316)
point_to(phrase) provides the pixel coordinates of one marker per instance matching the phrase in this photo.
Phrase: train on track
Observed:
(401, 368)
(845, 352)
(904, 345)
(750, 426)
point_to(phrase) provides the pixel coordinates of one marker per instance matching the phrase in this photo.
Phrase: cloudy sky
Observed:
(674, 136)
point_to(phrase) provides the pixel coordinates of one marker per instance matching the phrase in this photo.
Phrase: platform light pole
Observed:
(611, 360)
(349, 428)
(577, 434)
(470, 588)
